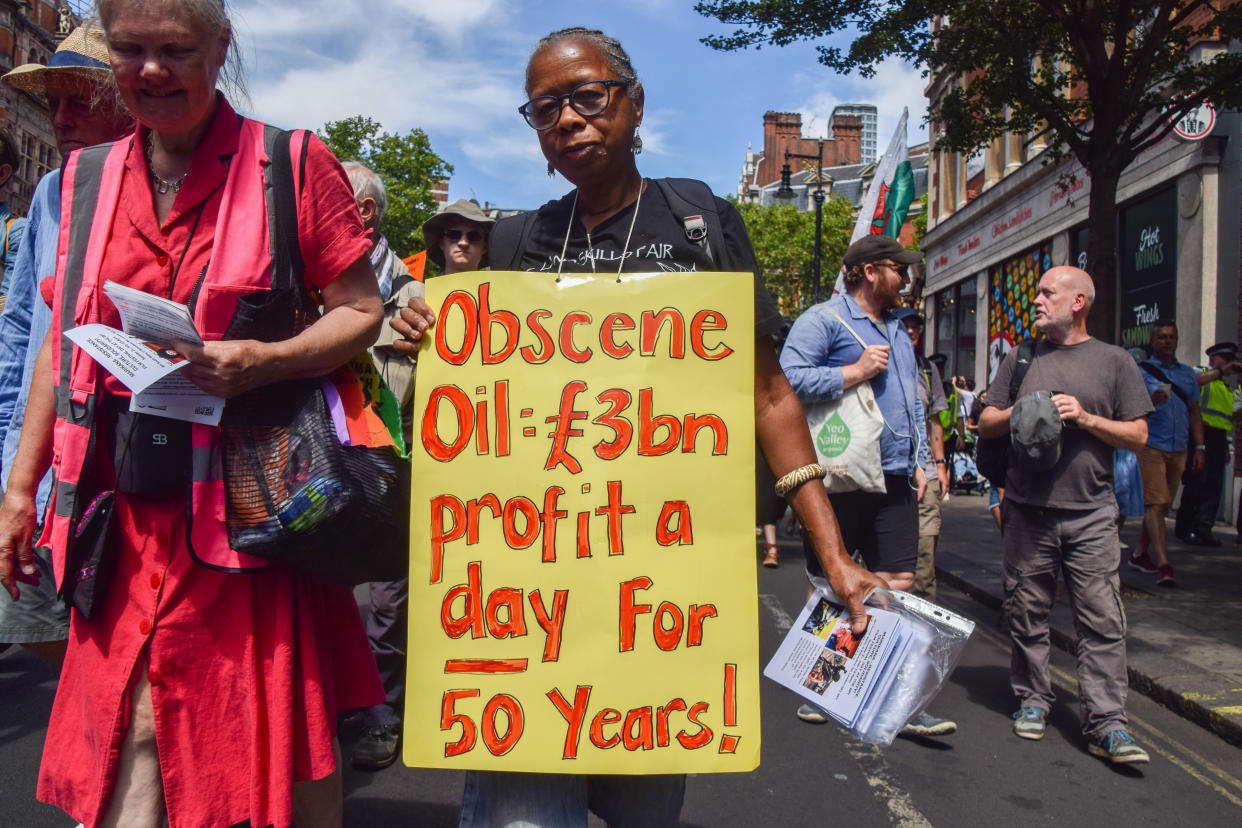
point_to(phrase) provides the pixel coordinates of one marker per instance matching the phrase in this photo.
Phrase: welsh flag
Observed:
(891, 191)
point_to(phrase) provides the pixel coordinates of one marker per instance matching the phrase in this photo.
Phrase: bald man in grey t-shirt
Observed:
(1063, 518)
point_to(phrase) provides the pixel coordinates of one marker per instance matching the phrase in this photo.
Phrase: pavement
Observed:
(1184, 645)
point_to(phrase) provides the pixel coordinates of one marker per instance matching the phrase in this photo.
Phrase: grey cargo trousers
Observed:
(1040, 544)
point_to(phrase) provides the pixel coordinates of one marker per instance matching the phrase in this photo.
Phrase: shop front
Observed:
(1177, 252)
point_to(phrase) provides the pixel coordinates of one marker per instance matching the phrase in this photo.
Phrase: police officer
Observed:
(1201, 492)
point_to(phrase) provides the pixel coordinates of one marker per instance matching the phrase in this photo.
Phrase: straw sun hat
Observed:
(83, 53)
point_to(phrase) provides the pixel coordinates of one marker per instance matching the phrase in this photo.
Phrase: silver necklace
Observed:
(590, 248)
(162, 185)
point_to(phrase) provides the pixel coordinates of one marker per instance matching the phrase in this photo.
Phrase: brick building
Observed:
(28, 34)
(782, 131)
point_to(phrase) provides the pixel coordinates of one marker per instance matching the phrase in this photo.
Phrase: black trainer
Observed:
(1202, 539)
(376, 748)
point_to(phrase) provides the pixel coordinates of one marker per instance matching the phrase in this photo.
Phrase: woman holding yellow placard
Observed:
(586, 106)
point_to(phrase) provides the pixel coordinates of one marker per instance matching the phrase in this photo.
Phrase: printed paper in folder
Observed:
(842, 674)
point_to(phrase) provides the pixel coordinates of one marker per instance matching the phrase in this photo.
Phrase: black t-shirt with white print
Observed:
(658, 243)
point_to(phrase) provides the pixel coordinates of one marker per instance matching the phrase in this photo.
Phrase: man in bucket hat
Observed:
(457, 237)
(85, 110)
(1059, 510)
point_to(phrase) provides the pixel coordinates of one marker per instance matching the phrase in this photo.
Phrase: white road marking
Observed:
(780, 619)
(901, 809)
(870, 758)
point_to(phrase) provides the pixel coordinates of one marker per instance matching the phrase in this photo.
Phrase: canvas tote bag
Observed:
(846, 433)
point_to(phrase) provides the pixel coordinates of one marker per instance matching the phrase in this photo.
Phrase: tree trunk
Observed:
(1102, 253)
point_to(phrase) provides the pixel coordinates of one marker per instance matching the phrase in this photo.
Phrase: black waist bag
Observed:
(150, 454)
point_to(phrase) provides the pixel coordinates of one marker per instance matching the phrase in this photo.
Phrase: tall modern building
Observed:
(870, 121)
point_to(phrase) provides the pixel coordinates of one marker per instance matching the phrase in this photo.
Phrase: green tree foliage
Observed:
(784, 241)
(1105, 79)
(408, 167)
(918, 218)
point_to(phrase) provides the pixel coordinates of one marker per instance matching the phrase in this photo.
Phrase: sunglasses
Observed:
(472, 236)
(587, 99)
(901, 270)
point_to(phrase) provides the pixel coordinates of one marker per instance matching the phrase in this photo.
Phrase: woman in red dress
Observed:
(204, 696)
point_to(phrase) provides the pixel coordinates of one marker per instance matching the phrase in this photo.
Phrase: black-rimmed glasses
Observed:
(454, 234)
(587, 99)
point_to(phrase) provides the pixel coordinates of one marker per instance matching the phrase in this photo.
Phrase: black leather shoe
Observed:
(377, 748)
(1202, 539)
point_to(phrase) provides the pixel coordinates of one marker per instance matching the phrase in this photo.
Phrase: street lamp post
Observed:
(786, 192)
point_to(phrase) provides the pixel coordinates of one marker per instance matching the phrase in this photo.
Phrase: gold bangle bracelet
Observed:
(795, 478)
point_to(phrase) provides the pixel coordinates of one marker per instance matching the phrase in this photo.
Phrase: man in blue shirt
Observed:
(823, 358)
(85, 110)
(1174, 390)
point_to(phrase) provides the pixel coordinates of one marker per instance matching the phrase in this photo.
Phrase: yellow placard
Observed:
(582, 579)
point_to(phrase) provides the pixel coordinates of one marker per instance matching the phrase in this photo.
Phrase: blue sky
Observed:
(454, 68)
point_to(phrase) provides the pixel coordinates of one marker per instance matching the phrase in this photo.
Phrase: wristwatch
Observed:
(1200, 448)
(942, 463)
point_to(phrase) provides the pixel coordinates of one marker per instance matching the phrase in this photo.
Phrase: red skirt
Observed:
(248, 674)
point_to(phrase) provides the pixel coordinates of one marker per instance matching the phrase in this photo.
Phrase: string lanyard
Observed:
(198, 215)
(642, 185)
(193, 228)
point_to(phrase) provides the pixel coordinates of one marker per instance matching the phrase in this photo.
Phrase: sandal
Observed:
(772, 558)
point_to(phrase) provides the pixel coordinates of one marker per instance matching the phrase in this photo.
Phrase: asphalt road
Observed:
(983, 775)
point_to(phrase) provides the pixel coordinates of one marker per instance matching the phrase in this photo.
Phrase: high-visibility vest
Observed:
(948, 417)
(240, 264)
(1216, 405)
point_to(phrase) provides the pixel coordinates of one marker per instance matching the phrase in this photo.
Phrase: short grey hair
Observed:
(367, 184)
(614, 54)
(213, 16)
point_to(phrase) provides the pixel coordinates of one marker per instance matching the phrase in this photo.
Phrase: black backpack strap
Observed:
(1163, 377)
(925, 371)
(282, 210)
(1022, 363)
(693, 202)
(507, 240)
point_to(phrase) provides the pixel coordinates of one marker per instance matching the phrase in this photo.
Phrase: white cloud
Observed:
(433, 94)
(496, 153)
(451, 19)
(895, 85)
(655, 130)
(454, 18)
(454, 68)
(403, 65)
